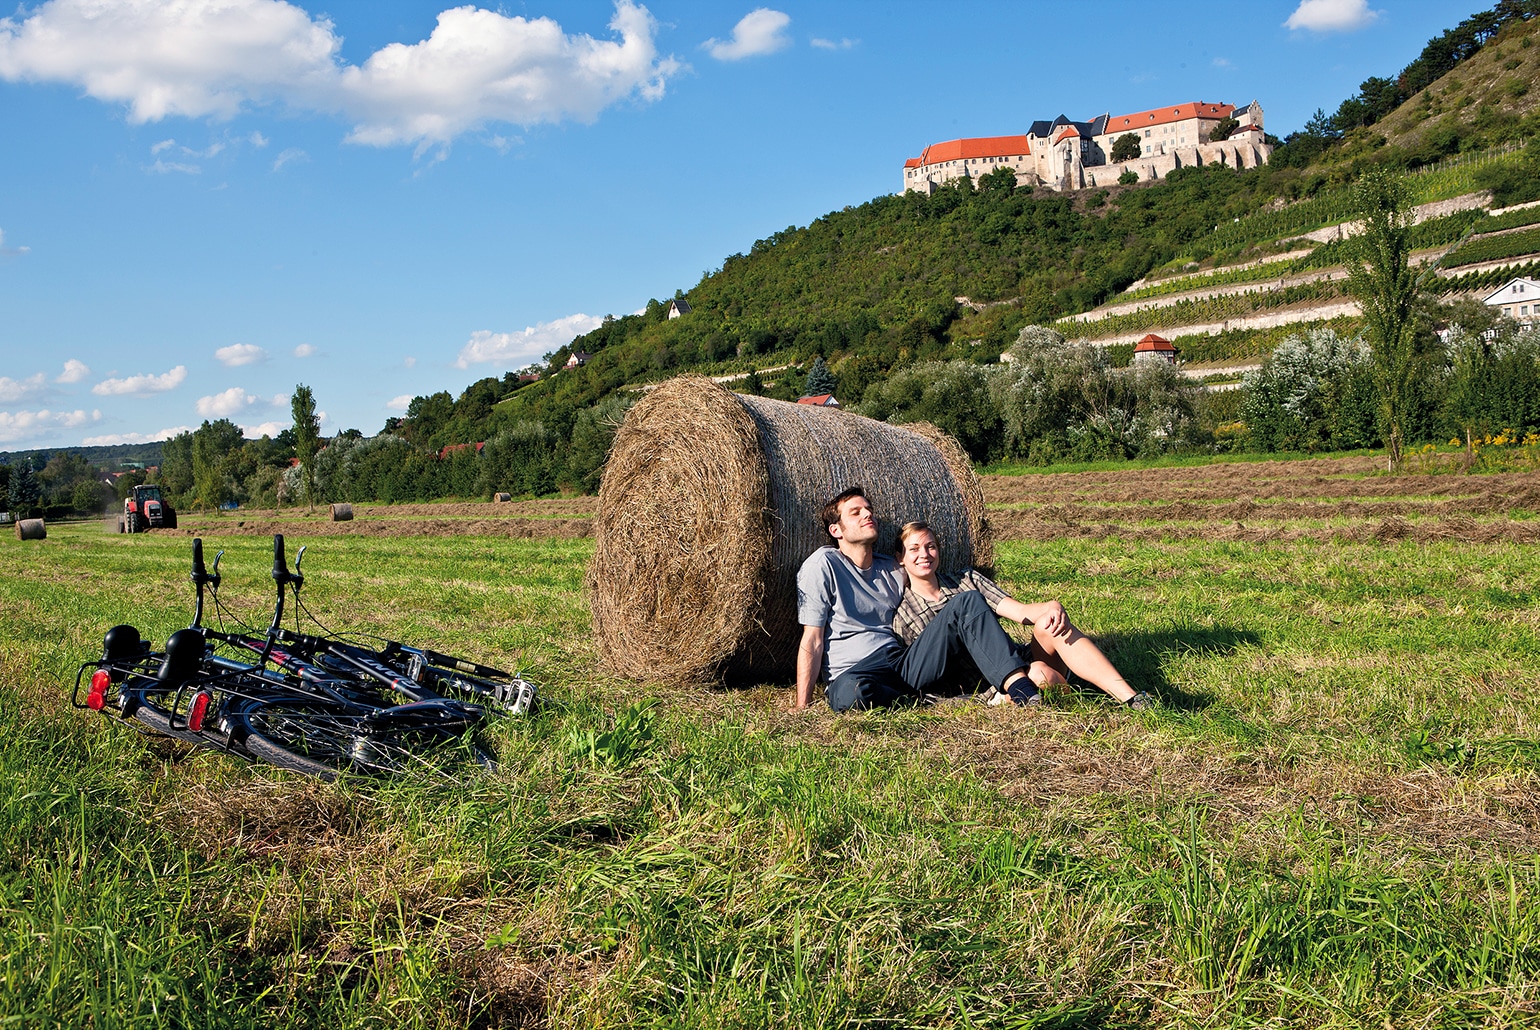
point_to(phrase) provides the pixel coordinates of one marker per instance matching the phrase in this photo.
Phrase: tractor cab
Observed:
(144, 509)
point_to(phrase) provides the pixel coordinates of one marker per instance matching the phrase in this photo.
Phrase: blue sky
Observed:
(205, 202)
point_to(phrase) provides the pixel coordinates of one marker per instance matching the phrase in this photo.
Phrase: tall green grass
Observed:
(1325, 827)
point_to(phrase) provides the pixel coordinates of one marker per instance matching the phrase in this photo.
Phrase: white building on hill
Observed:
(1519, 300)
(1067, 155)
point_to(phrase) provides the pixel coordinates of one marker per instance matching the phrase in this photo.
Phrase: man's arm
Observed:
(809, 663)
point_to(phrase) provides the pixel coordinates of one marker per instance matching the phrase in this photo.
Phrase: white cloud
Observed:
(167, 167)
(518, 349)
(225, 403)
(400, 403)
(23, 425)
(304, 350)
(74, 371)
(10, 250)
(761, 31)
(265, 429)
(290, 155)
(833, 44)
(257, 140)
(238, 354)
(141, 385)
(12, 390)
(112, 439)
(1331, 15)
(409, 361)
(1222, 62)
(214, 58)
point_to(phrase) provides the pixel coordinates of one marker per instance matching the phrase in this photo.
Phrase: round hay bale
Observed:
(709, 505)
(502, 498)
(342, 513)
(31, 529)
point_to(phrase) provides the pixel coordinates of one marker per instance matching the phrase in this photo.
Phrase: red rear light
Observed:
(197, 710)
(97, 696)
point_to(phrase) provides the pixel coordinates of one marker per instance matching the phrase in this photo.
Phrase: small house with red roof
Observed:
(1155, 348)
(822, 400)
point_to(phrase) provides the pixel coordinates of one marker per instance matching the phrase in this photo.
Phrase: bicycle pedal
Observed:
(523, 696)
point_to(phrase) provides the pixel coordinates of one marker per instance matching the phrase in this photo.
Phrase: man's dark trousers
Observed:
(965, 629)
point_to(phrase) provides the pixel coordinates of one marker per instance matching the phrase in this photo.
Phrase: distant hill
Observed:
(103, 457)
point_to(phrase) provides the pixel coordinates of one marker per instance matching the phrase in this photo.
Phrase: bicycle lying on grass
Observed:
(315, 703)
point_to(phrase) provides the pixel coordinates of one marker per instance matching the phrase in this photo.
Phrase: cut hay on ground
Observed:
(709, 504)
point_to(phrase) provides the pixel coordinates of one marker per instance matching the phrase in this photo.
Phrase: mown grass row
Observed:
(1283, 844)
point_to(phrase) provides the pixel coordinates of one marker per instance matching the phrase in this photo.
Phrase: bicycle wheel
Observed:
(324, 739)
(155, 710)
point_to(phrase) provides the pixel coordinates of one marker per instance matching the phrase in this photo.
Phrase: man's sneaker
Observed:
(1141, 702)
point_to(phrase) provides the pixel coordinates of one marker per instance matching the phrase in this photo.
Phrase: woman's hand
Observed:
(1049, 617)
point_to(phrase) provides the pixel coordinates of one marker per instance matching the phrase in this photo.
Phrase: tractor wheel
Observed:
(133, 521)
(170, 520)
(120, 523)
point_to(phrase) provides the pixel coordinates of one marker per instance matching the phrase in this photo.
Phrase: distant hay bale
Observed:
(342, 513)
(31, 529)
(502, 498)
(709, 505)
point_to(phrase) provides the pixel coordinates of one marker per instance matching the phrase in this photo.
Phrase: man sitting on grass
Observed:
(846, 596)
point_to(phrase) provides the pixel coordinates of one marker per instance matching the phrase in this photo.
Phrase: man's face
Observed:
(857, 524)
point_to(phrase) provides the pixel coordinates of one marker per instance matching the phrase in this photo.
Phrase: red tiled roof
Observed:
(913, 162)
(821, 399)
(1152, 342)
(1164, 115)
(965, 149)
(1065, 132)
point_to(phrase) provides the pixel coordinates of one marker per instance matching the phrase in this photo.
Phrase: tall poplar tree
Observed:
(1381, 278)
(307, 436)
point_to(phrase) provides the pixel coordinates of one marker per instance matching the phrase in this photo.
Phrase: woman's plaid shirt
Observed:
(915, 612)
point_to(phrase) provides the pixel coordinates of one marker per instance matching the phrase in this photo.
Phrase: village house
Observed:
(822, 400)
(1519, 300)
(1066, 155)
(678, 307)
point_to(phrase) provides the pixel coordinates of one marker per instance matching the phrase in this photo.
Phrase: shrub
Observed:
(953, 395)
(1060, 400)
(1314, 392)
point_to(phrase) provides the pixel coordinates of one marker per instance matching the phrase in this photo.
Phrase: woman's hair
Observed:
(909, 529)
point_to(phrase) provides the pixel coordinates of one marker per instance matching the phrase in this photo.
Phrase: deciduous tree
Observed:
(1126, 147)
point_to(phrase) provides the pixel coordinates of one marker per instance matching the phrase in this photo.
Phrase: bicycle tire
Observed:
(151, 709)
(326, 740)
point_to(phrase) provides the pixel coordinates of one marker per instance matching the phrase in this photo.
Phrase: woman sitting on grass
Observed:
(1057, 647)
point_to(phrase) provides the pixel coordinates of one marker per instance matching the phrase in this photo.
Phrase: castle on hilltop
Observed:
(1067, 155)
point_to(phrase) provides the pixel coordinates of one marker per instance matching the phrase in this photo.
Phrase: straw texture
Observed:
(709, 505)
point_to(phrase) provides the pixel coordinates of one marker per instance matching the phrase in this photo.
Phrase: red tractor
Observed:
(144, 509)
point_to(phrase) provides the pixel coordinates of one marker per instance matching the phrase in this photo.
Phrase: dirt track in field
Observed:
(1321, 499)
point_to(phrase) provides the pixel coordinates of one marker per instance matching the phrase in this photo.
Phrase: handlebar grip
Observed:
(198, 571)
(280, 567)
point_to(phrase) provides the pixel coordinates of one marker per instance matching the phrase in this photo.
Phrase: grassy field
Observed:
(1333, 821)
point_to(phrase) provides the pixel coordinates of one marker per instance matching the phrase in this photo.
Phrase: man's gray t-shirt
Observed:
(854, 607)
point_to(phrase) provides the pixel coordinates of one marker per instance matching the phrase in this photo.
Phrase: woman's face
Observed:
(921, 556)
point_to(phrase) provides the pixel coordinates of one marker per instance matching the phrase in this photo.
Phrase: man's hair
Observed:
(831, 509)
